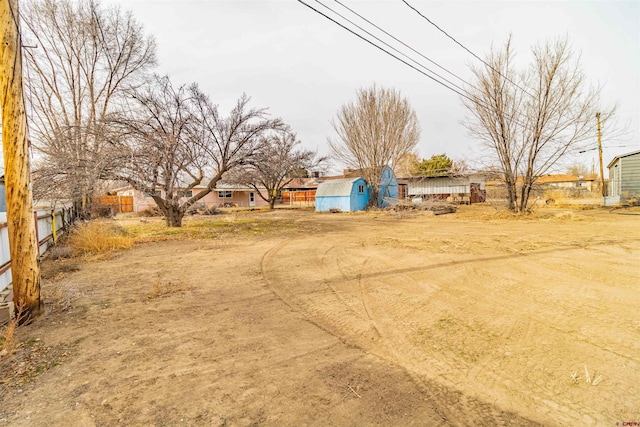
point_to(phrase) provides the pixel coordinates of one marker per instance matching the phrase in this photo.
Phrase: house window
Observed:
(361, 189)
(157, 193)
(185, 193)
(225, 194)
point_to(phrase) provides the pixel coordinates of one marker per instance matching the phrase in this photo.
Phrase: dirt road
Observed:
(465, 319)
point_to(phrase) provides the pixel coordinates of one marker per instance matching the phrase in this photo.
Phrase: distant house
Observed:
(624, 177)
(571, 183)
(300, 191)
(223, 195)
(469, 188)
(343, 195)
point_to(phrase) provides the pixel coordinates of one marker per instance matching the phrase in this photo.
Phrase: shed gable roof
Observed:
(616, 158)
(336, 187)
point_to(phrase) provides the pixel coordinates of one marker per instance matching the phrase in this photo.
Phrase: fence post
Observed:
(53, 226)
(35, 217)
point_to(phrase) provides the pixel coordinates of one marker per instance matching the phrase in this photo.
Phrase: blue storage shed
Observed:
(388, 187)
(345, 195)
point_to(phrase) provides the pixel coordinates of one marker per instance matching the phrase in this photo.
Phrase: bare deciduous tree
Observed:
(528, 127)
(578, 169)
(85, 57)
(159, 153)
(173, 140)
(376, 130)
(408, 165)
(278, 162)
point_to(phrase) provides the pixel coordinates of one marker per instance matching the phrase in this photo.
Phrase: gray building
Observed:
(469, 188)
(624, 177)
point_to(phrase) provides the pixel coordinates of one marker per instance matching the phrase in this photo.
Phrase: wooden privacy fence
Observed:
(49, 226)
(307, 197)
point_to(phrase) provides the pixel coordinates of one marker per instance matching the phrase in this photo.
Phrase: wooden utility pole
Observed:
(600, 155)
(23, 244)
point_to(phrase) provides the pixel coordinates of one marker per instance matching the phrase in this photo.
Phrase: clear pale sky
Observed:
(303, 67)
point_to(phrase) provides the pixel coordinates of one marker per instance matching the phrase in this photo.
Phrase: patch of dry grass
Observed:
(160, 290)
(98, 238)
(567, 216)
(207, 228)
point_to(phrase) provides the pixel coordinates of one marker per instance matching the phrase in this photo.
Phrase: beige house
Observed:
(567, 182)
(225, 195)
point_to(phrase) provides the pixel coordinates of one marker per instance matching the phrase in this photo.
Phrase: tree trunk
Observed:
(21, 225)
(173, 216)
(87, 206)
(82, 206)
(512, 194)
(375, 191)
(524, 197)
(272, 203)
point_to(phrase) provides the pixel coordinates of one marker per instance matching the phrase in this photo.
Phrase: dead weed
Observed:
(7, 342)
(60, 296)
(98, 238)
(27, 360)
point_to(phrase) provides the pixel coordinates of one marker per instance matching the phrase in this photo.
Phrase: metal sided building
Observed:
(344, 195)
(624, 177)
(471, 187)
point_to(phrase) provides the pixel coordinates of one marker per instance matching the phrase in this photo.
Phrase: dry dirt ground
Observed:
(473, 318)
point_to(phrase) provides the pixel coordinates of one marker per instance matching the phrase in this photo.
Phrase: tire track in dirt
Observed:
(451, 403)
(306, 302)
(325, 265)
(478, 372)
(363, 293)
(421, 366)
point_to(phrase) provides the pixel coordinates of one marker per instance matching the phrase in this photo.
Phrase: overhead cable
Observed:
(385, 51)
(465, 48)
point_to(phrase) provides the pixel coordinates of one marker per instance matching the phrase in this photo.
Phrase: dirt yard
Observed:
(297, 318)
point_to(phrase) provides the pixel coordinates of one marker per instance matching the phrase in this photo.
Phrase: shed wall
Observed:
(359, 201)
(326, 203)
(615, 179)
(388, 186)
(630, 179)
(439, 186)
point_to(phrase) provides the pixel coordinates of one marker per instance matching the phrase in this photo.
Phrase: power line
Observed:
(400, 41)
(465, 48)
(464, 93)
(385, 51)
(393, 48)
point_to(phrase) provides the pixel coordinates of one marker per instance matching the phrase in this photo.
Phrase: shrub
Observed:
(98, 237)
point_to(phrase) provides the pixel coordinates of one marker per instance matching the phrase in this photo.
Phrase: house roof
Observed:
(548, 179)
(220, 186)
(616, 158)
(350, 173)
(306, 183)
(336, 187)
(551, 179)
